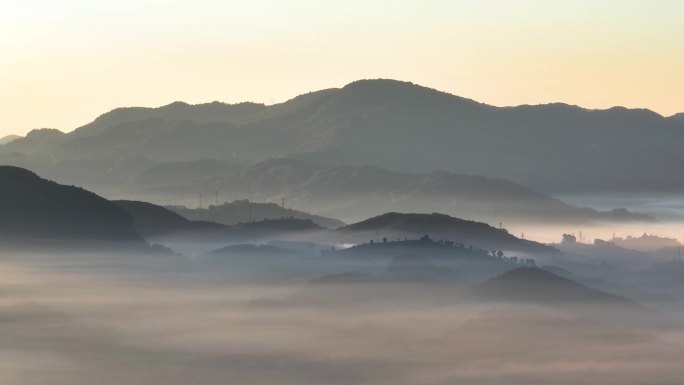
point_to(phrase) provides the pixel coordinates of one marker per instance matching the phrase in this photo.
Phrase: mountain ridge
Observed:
(386, 123)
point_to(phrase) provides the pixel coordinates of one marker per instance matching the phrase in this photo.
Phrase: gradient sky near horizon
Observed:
(65, 62)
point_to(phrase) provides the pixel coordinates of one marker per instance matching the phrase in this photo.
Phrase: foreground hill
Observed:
(531, 284)
(37, 212)
(395, 125)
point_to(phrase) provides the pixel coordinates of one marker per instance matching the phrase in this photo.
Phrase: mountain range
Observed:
(394, 125)
(352, 193)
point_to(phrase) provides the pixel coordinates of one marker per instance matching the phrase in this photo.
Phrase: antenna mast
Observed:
(282, 205)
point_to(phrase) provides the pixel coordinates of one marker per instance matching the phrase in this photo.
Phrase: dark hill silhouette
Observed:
(678, 117)
(439, 226)
(244, 211)
(536, 285)
(152, 221)
(37, 212)
(398, 126)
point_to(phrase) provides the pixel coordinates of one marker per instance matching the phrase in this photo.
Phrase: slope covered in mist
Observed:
(352, 193)
(536, 285)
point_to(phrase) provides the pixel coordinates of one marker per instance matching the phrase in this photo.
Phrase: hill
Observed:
(439, 226)
(244, 211)
(162, 226)
(536, 285)
(388, 123)
(152, 221)
(37, 212)
(415, 257)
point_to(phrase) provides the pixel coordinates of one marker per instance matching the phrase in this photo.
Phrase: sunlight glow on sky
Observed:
(63, 63)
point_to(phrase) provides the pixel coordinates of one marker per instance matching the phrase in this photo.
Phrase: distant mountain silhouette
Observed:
(679, 117)
(160, 225)
(536, 285)
(606, 252)
(352, 193)
(244, 211)
(395, 125)
(439, 226)
(646, 242)
(35, 212)
(8, 138)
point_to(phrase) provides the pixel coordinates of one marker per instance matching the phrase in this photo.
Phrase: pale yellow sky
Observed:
(62, 63)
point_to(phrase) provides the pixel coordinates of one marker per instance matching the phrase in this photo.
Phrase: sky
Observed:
(63, 63)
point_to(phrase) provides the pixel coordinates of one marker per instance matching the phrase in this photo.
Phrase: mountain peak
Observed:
(44, 133)
(390, 89)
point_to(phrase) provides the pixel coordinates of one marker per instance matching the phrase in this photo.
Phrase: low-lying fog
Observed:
(95, 320)
(550, 233)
